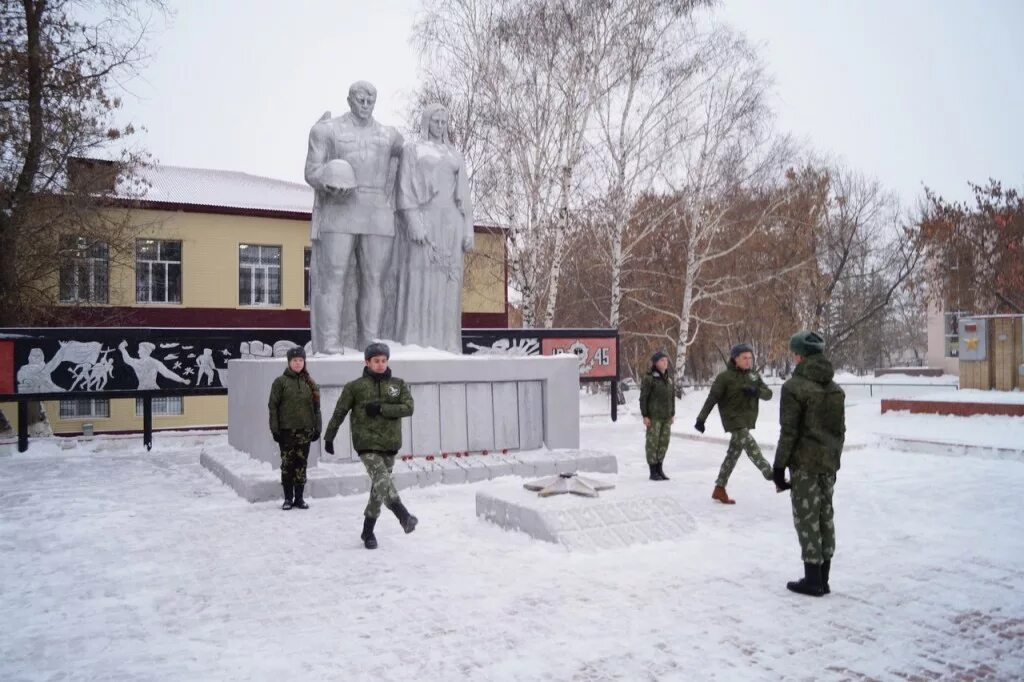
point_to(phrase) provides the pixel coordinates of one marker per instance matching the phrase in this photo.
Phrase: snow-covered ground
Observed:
(124, 565)
(973, 395)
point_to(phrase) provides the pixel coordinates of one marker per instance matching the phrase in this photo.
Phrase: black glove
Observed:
(373, 409)
(329, 447)
(779, 476)
(699, 426)
(750, 391)
(276, 436)
(314, 436)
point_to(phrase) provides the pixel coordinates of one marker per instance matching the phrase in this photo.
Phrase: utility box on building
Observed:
(992, 352)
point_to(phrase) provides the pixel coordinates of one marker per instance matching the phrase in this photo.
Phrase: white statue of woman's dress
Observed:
(435, 230)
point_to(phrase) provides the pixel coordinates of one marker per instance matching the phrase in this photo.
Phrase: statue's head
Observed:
(146, 349)
(434, 124)
(36, 357)
(361, 98)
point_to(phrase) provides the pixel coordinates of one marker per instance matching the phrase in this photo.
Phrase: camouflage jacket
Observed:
(382, 433)
(657, 395)
(293, 408)
(813, 419)
(737, 409)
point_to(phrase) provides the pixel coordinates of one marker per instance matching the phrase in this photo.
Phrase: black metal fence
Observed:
(70, 363)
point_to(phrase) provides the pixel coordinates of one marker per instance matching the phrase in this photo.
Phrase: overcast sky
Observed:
(912, 92)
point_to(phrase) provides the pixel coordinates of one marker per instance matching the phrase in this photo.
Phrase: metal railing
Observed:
(23, 399)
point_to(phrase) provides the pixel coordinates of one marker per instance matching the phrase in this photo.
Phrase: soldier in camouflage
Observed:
(813, 422)
(658, 409)
(377, 401)
(295, 421)
(737, 392)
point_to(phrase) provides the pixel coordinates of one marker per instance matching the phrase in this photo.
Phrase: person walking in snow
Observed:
(813, 421)
(378, 401)
(737, 391)
(658, 408)
(295, 422)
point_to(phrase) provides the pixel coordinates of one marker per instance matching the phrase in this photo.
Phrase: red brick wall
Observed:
(956, 409)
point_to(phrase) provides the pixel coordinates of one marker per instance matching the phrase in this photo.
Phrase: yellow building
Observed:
(218, 249)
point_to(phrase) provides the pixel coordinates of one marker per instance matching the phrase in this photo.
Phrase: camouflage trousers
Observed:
(657, 437)
(813, 515)
(382, 488)
(294, 456)
(741, 441)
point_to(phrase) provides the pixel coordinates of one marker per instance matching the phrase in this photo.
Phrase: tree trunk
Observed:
(561, 232)
(615, 308)
(685, 318)
(12, 212)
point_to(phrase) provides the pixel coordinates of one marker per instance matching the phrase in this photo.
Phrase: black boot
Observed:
(810, 584)
(287, 496)
(826, 566)
(299, 502)
(407, 520)
(654, 472)
(368, 538)
(661, 471)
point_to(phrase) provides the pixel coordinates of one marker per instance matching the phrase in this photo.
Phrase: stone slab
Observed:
(616, 519)
(257, 481)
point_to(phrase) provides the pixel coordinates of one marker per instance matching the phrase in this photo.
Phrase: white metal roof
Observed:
(227, 189)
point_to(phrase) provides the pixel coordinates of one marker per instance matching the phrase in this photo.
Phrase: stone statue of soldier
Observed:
(352, 165)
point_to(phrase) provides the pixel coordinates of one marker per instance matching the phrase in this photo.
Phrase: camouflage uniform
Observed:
(738, 412)
(295, 421)
(741, 441)
(813, 515)
(657, 403)
(382, 488)
(813, 422)
(378, 438)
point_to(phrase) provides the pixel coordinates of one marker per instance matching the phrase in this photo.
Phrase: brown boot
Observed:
(722, 496)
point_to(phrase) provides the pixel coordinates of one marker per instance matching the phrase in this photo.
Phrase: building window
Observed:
(163, 406)
(157, 271)
(307, 253)
(85, 408)
(951, 330)
(259, 275)
(83, 270)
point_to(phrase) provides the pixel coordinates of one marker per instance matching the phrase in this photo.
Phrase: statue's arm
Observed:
(397, 143)
(316, 154)
(464, 199)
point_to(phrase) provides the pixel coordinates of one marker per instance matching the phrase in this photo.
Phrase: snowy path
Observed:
(122, 565)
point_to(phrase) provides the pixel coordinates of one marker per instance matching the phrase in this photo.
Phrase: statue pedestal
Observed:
(463, 403)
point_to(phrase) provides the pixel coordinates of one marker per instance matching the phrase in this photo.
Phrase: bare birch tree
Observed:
(734, 149)
(641, 123)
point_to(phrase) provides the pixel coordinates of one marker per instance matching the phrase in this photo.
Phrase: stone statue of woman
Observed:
(436, 229)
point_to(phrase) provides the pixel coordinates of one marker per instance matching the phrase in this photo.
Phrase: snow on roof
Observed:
(224, 189)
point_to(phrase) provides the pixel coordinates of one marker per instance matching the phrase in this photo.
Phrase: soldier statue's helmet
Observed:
(337, 173)
(805, 343)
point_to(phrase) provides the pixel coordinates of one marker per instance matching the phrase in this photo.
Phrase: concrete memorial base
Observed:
(463, 403)
(626, 515)
(257, 481)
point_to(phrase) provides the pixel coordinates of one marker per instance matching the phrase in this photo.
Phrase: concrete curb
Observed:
(937, 447)
(768, 447)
